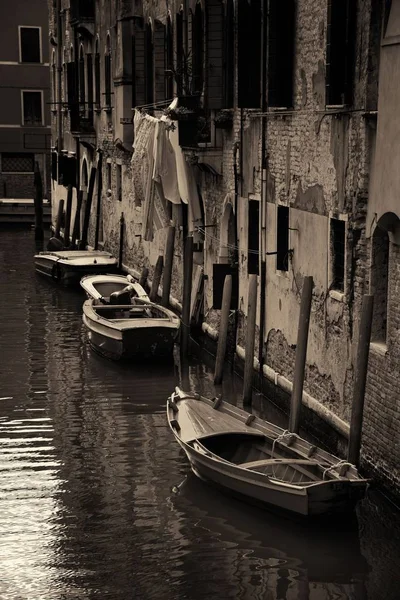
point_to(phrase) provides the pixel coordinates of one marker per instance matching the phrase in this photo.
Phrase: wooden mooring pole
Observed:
(301, 354)
(187, 292)
(353, 454)
(68, 211)
(158, 269)
(59, 219)
(169, 260)
(98, 205)
(38, 201)
(250, 340)
(223, 329)
(121, 239)
(88, 207)
(143, 279)
(77, 221)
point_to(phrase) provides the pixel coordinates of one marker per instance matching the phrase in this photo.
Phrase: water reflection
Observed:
(88, 464)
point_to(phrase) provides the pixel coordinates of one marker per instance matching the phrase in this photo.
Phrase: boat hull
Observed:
(69, 271)
(138, 345)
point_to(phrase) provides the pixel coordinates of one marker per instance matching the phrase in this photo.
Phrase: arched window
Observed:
(97, 88)
(107, 73)
(149, 64)
(198, 50)
(379, 283)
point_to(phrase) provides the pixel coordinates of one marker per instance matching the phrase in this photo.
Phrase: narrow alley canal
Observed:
(96, 498)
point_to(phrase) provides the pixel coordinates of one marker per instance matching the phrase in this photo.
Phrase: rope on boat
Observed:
(341, 463)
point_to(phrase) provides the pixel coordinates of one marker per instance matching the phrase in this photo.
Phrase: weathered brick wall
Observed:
(381, 430)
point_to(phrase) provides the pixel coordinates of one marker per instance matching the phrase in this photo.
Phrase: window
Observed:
(119, 183)
(159, 61)
(253, 237)
(282, 238)
(82, 99)
(179, 51)
(214, 73)
(249, 54)
(229, 54)
(379, 284)
(54, 81)
(340, 49)
(89, 84)
(338, 255)
(29, 45)
(97, 89)
(281, 35)
(13, 162)
(107, 73)
(32, 113)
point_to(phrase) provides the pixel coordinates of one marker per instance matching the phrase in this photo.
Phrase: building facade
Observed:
(25, 132)
(255, 127)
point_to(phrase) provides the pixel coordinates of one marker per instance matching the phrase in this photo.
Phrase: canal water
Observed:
(96, 498)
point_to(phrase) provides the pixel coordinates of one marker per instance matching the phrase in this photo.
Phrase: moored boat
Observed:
(140, 330)
(69, 266)
(107, 288)
(259, 460)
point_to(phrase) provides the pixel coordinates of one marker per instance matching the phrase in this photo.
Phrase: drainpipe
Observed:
(59, 78)
(264, 190)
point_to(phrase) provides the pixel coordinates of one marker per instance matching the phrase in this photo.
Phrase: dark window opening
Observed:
(54, 86)
(253, 239)
(107, 75)
(13, 162)
(340, 51)
(82, 98)
(179, 52)
(97, 80)
(379, 284)
(229, 55)
(108, 176)
(89, 81)
(54, 161)
(198, 51)
(32, 102)
(249, 54)
(30, 44)
(281, 36)
(282, 238)
(149, 66)
(119, 183)
(338, 246)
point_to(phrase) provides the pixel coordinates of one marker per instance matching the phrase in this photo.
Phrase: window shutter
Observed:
(229, 56)
(149, 65)
(107, 75)
(89, 75)
(281, 36)
(340, 51)
(215, 54)
(159, 60)
(249, 54)
(139, 63)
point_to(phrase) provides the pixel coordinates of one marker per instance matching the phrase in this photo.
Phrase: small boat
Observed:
(260, 461)
(107, 289)
(69, 266)
(139, 330)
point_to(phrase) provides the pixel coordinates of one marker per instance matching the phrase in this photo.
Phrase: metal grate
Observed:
(17, 163)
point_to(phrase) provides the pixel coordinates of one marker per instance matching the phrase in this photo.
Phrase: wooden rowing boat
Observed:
(69, 266)
(259, 460)
(140, 330)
